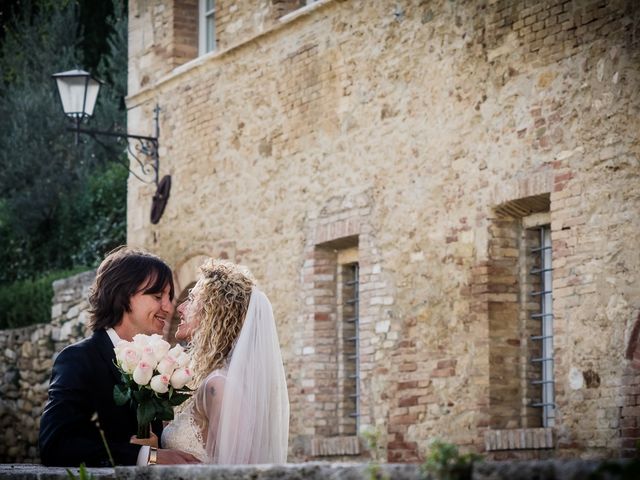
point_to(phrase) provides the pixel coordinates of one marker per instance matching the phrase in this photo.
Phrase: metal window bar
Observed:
(541, 359)
(544, 270)
(540, 337)
(351, 302)
(540, 270)
(541, 292)
(543, 405)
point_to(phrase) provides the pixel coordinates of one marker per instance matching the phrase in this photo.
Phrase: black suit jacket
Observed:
(82, 384)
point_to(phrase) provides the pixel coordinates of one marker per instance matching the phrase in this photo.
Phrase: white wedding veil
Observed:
(253, 424)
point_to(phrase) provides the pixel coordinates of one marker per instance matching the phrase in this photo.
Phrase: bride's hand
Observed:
(150, 442)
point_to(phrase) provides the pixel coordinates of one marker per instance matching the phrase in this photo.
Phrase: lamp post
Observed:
(78, 92)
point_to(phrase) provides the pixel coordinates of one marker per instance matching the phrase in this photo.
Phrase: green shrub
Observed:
(27, 302)
(444, 462)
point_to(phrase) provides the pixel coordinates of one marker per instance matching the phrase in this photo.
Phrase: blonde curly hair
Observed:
(220, 299)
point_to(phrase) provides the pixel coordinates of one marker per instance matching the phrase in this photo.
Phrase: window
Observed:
(541, 294)
(336, 351)
(519, 296)
(207, 26)
(284, 8)
(349, 374)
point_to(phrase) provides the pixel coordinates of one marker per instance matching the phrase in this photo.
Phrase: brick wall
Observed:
(185, 43)
(505, 397)
(410, 127)
(629, 419)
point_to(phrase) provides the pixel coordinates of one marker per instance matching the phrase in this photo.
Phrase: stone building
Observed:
(440, 197)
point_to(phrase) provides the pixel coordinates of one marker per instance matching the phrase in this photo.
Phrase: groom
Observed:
(132, 293)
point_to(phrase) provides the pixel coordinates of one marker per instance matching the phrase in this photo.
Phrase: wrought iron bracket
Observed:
(143, 145)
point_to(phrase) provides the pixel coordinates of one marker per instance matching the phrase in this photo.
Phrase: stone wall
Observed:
(429, 132)
(27, 358)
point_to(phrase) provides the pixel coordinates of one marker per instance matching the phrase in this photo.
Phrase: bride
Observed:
(239, 412)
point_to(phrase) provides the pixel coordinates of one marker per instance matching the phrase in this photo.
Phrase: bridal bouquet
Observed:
(154, 377)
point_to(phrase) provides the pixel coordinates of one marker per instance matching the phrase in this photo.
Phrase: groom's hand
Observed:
(152, 441)
(167, 456)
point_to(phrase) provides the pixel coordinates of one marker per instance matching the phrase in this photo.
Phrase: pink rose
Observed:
(181, 377)
(142, 373)
(160, 383)
(149, 356)
(167, 365)
(129, 357)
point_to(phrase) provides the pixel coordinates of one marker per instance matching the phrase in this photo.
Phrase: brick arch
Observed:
(632, 351)
(629, 421)
(187, 271)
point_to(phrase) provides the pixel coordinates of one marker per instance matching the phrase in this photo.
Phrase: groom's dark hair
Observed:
(121, 274)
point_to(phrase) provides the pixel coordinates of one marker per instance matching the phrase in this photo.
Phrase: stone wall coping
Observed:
(79, 278)
(29, 471)
(505, 470)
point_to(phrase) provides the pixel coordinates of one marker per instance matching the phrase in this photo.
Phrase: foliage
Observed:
(101, 202)
(371, 437)
(83, 474)
(28, 301)
(61, 205)
(444, 462)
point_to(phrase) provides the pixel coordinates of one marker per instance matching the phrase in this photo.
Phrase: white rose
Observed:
(159, 346)
(148, 356)
(167, 365)
(176, 350)
(141, 340)
(121, 345)
(142, 373)
(160, 383)
(129, 358)
(181, 377)
(183, 360)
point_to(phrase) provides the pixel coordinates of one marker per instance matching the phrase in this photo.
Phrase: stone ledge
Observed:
(292, 471)
(21, 471)
(515, 470)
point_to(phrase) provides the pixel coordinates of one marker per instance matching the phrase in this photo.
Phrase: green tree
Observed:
(61, 205)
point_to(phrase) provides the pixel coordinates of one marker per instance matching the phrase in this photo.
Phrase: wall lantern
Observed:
(78, 93)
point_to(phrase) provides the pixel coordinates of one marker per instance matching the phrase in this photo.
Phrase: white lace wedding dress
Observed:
(240, 414)
(195, 425)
